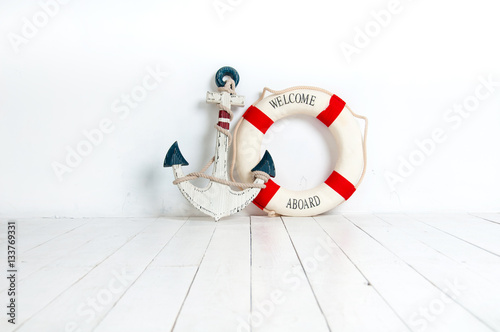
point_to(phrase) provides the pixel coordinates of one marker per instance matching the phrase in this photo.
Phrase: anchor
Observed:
(218, 199)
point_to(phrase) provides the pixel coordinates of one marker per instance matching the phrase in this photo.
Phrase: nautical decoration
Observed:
(218, 199)
(341, 122)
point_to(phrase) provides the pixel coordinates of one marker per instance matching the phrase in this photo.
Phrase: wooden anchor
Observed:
(217, 199)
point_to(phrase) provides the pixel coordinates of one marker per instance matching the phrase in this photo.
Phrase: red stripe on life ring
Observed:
(333, 110)
(258, 119)
(341, 185)
(265, 195)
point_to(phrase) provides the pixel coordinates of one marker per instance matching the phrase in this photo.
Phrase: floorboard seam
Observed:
(140, 274)
(409, 234)
(420, 274)
(192, 281)
(485, 219)
(55, 237)
(307, 277)
(78, 280)
(364, 276)
(455, 236)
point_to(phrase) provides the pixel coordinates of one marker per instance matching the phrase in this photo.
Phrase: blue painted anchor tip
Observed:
(174, 157)
(266, 165)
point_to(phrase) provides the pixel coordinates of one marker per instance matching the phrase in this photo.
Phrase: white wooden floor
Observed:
(357, 273)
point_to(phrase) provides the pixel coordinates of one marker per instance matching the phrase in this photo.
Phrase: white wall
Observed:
(69, 75)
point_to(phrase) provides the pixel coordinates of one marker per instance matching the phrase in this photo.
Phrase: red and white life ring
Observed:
(340, 120)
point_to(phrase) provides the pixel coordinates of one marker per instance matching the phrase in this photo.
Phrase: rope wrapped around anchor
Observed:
(230, 88)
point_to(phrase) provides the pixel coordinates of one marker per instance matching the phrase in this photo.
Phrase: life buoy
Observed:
(341, 122)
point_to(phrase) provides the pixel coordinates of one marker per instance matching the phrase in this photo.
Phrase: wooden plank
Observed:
(40, 288)
(493, 217)
(408, 293)
(29, 225)
(83, 305)
(477, 231)
(188, 246)
(347, 299)
(153, 301)
(282, 298)
(219, 298)
(476, 294)
(476, 259)
(34, 232)
(52, 228)
(157, 296)
(35, 293)
(94, 231)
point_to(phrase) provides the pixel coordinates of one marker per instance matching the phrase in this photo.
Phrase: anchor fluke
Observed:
(174, 157)
(266, 165)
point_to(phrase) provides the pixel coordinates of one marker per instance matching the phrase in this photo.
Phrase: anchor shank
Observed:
(222, 141)
(224, 119)
(221, 156)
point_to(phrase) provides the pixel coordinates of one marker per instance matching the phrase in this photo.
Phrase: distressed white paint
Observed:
(217, 97)
(327, 273)
(345, 295)
(403, 286)
(466, 287)
(216, 199)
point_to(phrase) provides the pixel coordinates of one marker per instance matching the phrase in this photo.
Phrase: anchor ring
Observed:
(226, 71)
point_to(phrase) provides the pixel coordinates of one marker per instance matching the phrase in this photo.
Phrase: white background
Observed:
(64, 79)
